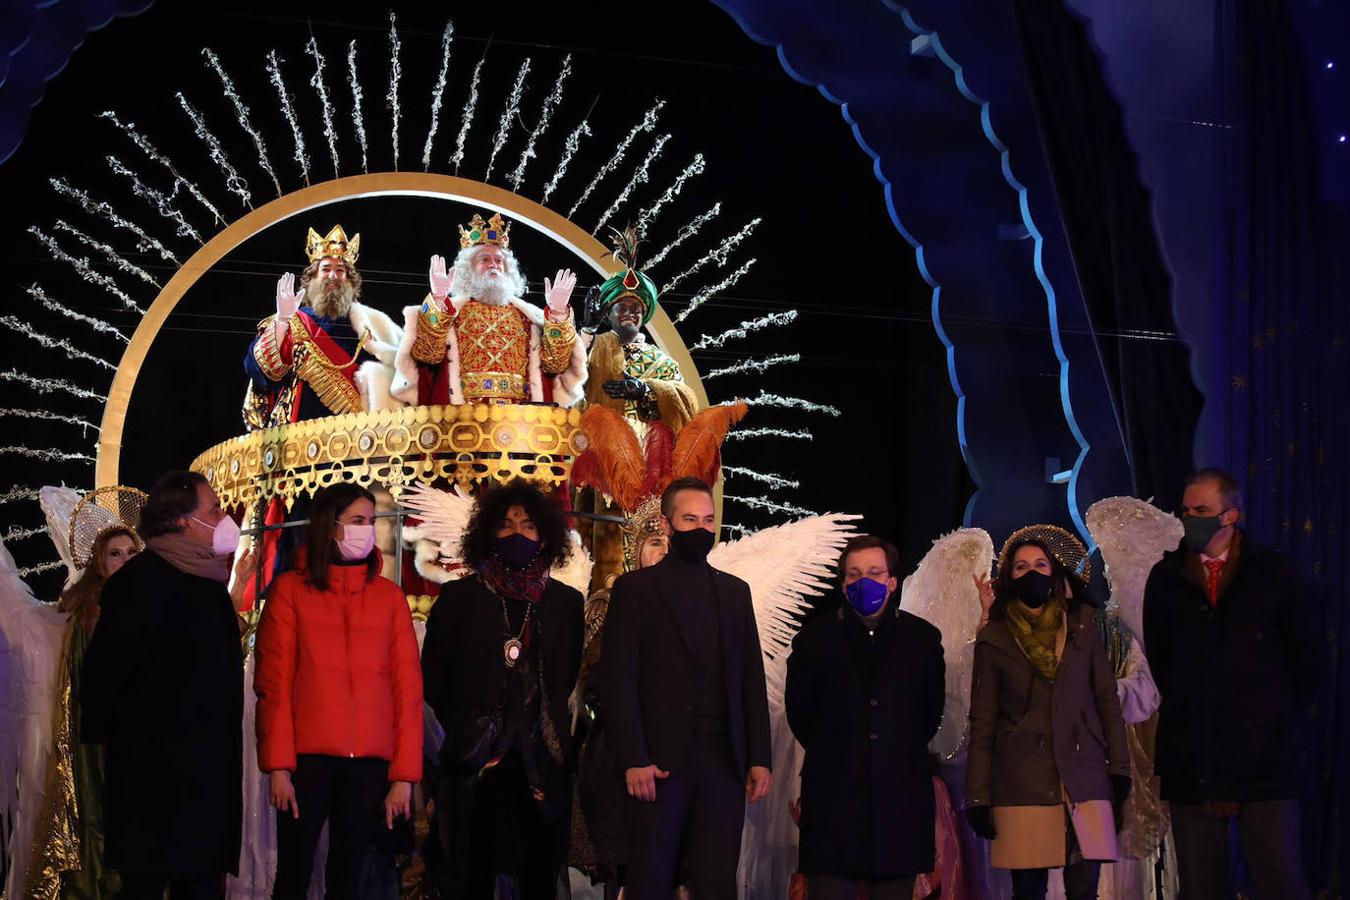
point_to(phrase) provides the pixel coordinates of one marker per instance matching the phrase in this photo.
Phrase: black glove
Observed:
(1120, 790)
(981, 820)
(627, 389)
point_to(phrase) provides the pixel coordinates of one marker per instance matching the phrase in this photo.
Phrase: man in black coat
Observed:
(864, 696)
(501, 655)
(163, 690)
(1231, 642)
(683, 683)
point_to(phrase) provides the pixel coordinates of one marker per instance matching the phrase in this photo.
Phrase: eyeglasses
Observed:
(870, 573)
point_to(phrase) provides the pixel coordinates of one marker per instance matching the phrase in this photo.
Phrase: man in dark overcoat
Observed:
(864, 696)
(1232, 643)
(163, 690)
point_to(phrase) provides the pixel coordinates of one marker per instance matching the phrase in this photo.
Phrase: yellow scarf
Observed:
(1037, 634)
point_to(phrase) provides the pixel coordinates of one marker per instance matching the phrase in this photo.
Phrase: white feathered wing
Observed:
(31, 635)
(1132, 535)
(942, 590)
(783, 566)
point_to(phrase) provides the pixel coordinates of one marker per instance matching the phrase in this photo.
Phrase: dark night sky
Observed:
(774, 149)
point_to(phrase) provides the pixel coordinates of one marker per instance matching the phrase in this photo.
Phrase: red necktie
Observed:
(1212, 569)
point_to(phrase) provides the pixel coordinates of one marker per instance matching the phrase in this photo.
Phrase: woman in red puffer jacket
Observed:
(339, 697)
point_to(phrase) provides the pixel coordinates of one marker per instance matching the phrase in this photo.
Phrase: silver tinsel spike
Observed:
(718, 255)
(767, 399)
(739, 531)
(648, 215)
(18, 493)
(790, 434)
(233, 183)
(755, 365)
(14, 323)
(321, 89)
(466, 118)
(569, 151)
(49, 385)
(684, 234)
(108, 252)
(640, 176)
(48, 416)
(83, 266)
(438, 95)
(37, 293)
(395, 76)
(358, 120)
(29, 571)
(141, 141)
(509, 114)
(16, 533)
(773, 506)
(45, 455)
(545, 119)
(144, 242)
(772, 320)
(648, 124)
(162, 202)
(775, 482)
(245, 120)
(284, 98)
(707, 293)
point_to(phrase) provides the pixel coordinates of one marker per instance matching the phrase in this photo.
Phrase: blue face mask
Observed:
(867, 596)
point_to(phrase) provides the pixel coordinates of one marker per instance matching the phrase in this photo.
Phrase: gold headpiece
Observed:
(334, 244)
(99, 512)
(494, 231)
(1063, 546)
(644, 522)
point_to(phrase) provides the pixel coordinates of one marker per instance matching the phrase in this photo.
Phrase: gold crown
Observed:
(333, 245)
(99, 512)
(494, 231)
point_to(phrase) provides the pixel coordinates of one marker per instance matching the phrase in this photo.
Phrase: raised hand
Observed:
(627, 389)
(288, 298)
(986, 592)
(440, 278)
(558, 293)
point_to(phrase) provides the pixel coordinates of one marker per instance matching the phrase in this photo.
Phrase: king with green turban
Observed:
(625, 371)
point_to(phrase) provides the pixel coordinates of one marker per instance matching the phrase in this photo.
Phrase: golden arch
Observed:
(523, 210)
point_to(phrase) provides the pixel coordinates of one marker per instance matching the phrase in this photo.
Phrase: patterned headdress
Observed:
(494, 231)
(333, 245)
(1063, 546)
(99, 512)
(630, 282)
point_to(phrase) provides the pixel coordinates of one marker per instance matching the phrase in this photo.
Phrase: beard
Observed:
(495, 288)
(333, 299)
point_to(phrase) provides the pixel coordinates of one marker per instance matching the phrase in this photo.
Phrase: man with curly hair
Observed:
(502, 652)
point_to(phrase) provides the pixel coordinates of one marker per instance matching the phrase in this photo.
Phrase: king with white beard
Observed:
(474, 340)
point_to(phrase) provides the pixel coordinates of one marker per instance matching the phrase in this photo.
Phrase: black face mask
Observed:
(517, 551)
(1033, 588)
(692, 546)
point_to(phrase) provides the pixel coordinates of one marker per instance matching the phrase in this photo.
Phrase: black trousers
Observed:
(831, 887)
(152, 887)
(1080, 881)
(1269, 832)
(348, 794)
(691, 834)
(490, 826)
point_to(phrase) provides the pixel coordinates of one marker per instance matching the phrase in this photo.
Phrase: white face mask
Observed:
(224, 535)
(357, 541)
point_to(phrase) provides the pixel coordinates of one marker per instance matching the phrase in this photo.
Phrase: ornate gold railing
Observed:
(395, 448)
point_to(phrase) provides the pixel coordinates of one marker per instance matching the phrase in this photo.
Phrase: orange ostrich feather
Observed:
(698, 448)
(614, 447)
